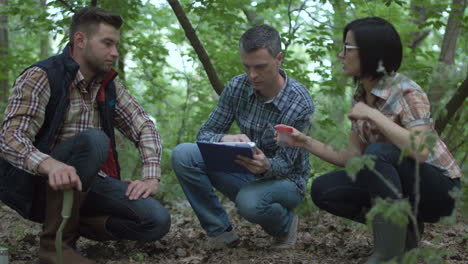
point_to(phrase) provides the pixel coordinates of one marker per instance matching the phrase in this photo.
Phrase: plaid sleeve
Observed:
(282, 164)
(24, 117)
(415, 109)
(220, 119)
(132, 120)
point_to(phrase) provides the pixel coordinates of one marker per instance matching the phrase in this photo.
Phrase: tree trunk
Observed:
(253, 17)
(420, 13)
(121, 58)
(93, 3)
(185, 106)
(4, 84)
(452, 31)
(196, 44)
(449, 43)
(452, 106)
(44, 45)
(339, 22)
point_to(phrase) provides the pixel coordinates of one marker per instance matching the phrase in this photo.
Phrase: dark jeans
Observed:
(336, 193)
(142, 219)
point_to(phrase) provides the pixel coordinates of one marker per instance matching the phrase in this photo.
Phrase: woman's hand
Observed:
(361, 111)
(294, 138)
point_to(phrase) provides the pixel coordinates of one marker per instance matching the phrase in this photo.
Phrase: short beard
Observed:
(98, 70)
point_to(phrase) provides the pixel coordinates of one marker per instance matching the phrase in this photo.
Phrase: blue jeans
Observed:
(266, 202)
(142, 219)
(336, 193)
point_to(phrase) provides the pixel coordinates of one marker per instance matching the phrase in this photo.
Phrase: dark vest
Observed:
(24, 192)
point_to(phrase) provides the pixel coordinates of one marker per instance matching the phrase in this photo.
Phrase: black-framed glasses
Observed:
(347, 47)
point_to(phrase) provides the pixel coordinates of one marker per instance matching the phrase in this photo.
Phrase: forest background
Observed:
(176, 56)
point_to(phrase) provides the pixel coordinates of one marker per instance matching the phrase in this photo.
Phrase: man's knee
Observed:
(96, 141)
(156, 225)
(249, 205)
(182, 155)
(162, 224)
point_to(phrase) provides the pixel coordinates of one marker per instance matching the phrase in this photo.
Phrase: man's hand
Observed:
(61, 176)
(235, 138)
(141, 189)
(258, 165)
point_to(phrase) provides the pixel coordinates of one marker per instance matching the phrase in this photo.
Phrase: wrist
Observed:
(152, 180)
(45, 166)
(266, 166)
(306, 142)
(374, 115)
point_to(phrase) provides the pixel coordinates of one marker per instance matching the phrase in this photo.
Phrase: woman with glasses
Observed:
(390, 113)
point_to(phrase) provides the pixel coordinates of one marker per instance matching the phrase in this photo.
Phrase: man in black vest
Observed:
(58, 134)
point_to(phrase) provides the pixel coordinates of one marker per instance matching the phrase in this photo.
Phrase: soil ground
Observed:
(322, 238)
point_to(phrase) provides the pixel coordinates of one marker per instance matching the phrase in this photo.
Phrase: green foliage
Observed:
(397, 211)
(139, 257)
(356, 164)
(163, 72)
(426, 255)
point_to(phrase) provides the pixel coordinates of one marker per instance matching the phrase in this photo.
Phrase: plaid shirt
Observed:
(405, 103)
(25, 112)
(256, 118)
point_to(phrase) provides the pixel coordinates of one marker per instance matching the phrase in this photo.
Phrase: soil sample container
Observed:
(3, 255)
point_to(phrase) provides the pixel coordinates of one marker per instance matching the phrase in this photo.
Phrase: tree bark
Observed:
(196, 44)
(452, 106)
(253, 17)
(421, 16)
(185, 106)
(93, 3)
(44, 45)
(4, 82)
(121, 58)
(447, 53)
(452, 31)
(337, 25)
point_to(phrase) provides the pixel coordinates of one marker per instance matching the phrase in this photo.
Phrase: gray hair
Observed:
(260, 37)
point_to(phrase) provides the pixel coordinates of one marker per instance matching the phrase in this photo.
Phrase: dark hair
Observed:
(378, 41)
(88, 20)
(260, 37)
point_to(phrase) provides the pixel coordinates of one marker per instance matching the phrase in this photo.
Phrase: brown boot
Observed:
(53, 218)
(94, 228)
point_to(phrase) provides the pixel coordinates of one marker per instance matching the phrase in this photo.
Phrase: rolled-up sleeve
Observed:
(415, 109)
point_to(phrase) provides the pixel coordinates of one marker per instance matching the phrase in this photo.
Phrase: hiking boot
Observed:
(94, 228)
(389, 240)
(53, 219)
(226, 239)
(413, 238)
(289, 239)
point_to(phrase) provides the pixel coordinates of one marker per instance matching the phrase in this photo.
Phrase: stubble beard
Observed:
(95, 65)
